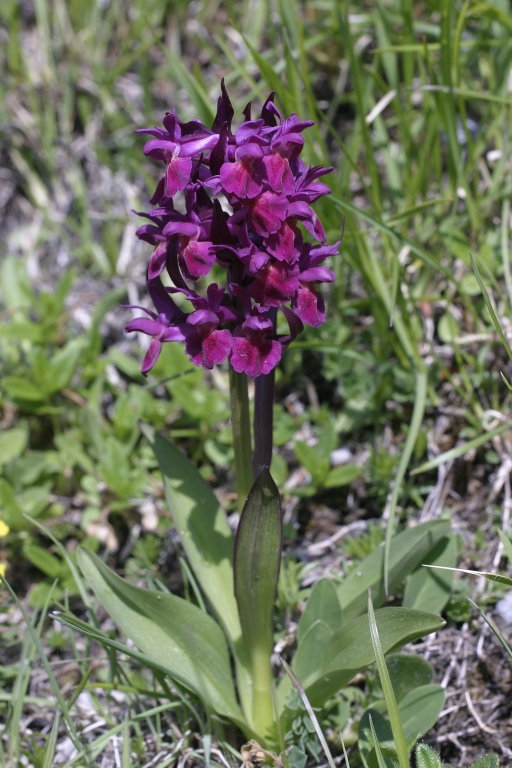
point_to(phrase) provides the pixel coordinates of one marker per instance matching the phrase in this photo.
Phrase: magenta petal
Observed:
(199, 258)
(159, 148)
(151, 356)
(268, 210)
(190, 148)
(240, 179)
(157, 261)
(254, 357)
(217, 347)
(177, 175)
(144, 325)
(281, 244)
(309, 306)
(317, 275)
(279, 175)
(208, 350)
(173, 333)
(274, 285)
(181, 228)
(202, 316)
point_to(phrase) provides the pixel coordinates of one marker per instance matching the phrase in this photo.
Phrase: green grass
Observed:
(412, 109)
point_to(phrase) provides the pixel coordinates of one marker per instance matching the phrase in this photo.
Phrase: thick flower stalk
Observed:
(243, 197)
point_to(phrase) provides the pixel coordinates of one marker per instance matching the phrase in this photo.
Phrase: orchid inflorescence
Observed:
(265, 189)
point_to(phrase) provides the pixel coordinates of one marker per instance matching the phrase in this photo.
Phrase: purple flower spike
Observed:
(245, 201)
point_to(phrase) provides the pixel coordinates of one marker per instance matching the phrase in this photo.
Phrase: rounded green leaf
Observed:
(420, 709)
(407, 672)
(426, 757)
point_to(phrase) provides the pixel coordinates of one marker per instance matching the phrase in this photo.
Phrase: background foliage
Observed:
(412, 103)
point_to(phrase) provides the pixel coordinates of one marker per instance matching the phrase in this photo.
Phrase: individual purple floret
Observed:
(256, 234)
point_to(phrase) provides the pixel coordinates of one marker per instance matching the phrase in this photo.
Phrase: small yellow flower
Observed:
(3, 567)
(4, 529)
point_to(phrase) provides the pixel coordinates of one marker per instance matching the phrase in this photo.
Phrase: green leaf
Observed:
(256, 561)
(312, 647)
(12, 444)
(408, 672)
(44, 560)
(487, 761)
(308, 457)
(343, 475)
(322, 605)
(12, 513)
(448, 328)
(426, 757)
(297, 758)
(350, 649)
(208, 543)
(171, 631)
(116, 469)
(408, 550)
(22, 389)
(420, 709)
(22, 331)
(63, 365)
(427, 588)
(203, 529)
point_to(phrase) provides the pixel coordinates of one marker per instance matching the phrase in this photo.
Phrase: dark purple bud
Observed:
(225, 110)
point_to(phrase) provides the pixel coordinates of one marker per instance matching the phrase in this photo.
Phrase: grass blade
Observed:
(414, 428)
(389, 695)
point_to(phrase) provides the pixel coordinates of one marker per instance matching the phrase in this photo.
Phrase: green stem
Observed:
(263, 710)
(241, 425)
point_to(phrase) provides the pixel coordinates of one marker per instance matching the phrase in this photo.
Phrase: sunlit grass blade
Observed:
(496, 577)
(378, 752)
(126, 753)
(387, 687)
(49, 752)
(494, 629)
(490, 308)
(461, 450)
(507, 545)
(412, 435)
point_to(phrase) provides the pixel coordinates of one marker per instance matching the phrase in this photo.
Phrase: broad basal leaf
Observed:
(408, 550)
(171, 631)
(203, 529)
(429, 589)
(350, 649)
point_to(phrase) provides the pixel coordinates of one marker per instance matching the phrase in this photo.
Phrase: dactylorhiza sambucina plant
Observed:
(244, 195)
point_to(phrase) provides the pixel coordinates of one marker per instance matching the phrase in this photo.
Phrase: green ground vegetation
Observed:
(412, 103)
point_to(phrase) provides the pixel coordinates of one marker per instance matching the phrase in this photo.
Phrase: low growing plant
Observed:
(245, 212)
